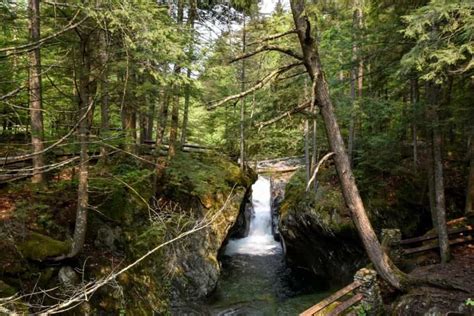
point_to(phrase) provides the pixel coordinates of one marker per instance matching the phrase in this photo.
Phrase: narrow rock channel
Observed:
(255, 279)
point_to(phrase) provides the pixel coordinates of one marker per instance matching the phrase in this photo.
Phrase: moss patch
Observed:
(39, 247)
(6, 290)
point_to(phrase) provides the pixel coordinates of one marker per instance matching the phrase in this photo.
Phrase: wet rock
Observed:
(193, 264)
(241, 226)
(67, 277)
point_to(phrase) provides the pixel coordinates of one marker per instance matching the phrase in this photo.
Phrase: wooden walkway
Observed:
(318, 308)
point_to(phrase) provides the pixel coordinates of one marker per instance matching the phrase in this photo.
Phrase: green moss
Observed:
(6, 290)
(326, 208)
(204, 175)
(39, 247)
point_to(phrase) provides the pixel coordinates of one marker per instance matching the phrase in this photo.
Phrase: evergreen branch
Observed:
(31, 46)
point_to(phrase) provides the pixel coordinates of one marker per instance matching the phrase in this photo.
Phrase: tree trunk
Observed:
(142, 115)
(414, 93)
(150, 118)
(174, 128)
(349, 188)
(162, 120)
(187, 99)
(35, 99)
(187, 89)
(433, 92)
(431, 184)
(357, 72)
(85, 101)
(175, 89)
(470, 181)
(129, 126)
(307, 157)
(242, 103)
(104, 105)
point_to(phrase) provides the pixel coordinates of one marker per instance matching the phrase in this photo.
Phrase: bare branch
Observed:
(317, 169)
(297, 109)
(266, 48)
(10, 94)
(261, 83)
(272, 37)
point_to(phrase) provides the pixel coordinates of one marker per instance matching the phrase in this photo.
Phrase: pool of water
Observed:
(255, 278)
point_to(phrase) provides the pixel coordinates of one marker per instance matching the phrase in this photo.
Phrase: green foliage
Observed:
(443, 31)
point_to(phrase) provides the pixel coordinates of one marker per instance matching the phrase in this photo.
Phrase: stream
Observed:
(255, 279)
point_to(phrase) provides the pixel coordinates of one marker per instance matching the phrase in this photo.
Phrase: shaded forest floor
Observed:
(459, 270)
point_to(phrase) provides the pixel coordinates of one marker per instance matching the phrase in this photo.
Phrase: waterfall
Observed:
(259, 240)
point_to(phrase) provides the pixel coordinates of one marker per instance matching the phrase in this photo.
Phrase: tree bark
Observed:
(469, 209)
(150, 118)
(433, 92)
(35, 99)
(174, 128)
(242, 103)
(85, 101)
(162, 120)
(104, 105)
(414, 93)
(187, 99)
(142, 118)
(357, 73)
(187, 89)
(381, 261)
(129, 126)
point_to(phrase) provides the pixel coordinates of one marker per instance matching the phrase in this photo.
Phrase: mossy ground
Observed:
(38, 223)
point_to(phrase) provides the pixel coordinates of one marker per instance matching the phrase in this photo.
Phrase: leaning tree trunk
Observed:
(350, 191)
(35, 93)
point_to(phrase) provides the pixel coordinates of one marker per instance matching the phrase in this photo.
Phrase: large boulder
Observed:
(318, 231)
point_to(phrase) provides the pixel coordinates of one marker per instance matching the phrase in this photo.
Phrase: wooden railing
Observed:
(318, 308)
(456, 236)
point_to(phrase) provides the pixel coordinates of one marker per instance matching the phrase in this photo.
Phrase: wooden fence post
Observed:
(372, 300)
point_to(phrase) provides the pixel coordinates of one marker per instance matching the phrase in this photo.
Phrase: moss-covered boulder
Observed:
(318, 230)
(40, 247)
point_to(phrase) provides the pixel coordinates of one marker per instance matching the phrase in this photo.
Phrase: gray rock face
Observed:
(193, 262)
(241, 226)
(68, 277)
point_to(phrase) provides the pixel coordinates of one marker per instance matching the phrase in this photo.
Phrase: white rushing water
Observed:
(260, 239)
